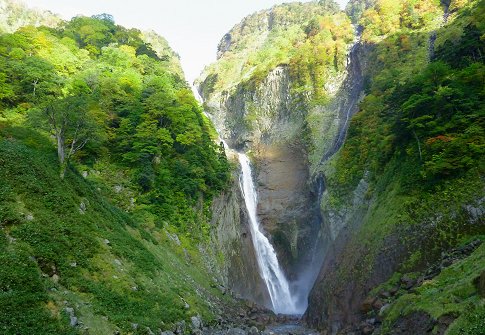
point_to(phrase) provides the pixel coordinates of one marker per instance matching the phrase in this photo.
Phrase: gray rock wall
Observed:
(236, 268)
(265, 122)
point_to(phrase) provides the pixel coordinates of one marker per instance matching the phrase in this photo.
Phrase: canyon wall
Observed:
(345, 192)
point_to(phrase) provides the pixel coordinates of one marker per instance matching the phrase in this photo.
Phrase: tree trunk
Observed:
(35, 82)
(419, 146)
(61, 155)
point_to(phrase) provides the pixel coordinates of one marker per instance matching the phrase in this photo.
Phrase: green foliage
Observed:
(387, 17)
(473, 322)
(14, 14)
(121, 111)
(23, 299)
(418, 142)
(445, 114)
(321, 55)
(129, 105)
(291, 39)
(431, 115)
(51, 228)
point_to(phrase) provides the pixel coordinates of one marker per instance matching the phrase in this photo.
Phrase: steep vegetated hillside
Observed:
(396, 206)
(107, 175)
(416, 148)
(365, 127)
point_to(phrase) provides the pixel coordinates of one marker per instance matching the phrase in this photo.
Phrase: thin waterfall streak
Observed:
(344, 128)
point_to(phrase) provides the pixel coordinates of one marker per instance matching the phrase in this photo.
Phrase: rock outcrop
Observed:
(287, 205)
(267, 119)
(237, 268)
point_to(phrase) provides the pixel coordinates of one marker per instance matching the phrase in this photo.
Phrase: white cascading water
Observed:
(276, 282)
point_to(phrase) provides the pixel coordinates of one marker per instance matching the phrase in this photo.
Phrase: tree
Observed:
(72, 125)
(329, 6)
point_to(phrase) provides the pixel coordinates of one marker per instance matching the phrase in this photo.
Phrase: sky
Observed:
(193, 28)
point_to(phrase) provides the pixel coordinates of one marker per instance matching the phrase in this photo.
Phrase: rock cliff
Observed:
(268, 119)
(231, 245)
(345, 198)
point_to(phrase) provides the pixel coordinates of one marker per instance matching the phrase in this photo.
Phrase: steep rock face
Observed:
(237, 268)
(284, 133)
(287, 206)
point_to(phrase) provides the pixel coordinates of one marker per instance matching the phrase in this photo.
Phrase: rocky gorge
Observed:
(330, 181)
(321, 226)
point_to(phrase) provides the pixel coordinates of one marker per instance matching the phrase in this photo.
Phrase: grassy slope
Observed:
(54, 256)
(95, 244)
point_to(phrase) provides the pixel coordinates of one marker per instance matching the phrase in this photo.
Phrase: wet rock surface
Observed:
(231, 237)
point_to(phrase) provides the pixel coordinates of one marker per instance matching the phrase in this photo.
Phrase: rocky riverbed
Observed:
(250, 319)
(288, 328)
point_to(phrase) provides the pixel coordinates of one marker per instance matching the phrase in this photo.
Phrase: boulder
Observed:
(180, 327)
(444, 323)
(407, 282)
(253, 331)
(367, 305)
(367, 329)
(236, 331)
(384, 309)
(196, 322)
(378, 304)
(393, 291)
(82, 208)
(385, 294)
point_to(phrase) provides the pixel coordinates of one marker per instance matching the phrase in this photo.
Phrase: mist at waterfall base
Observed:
(285, 298)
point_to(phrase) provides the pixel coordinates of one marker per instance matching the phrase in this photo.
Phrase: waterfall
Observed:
(281, 298)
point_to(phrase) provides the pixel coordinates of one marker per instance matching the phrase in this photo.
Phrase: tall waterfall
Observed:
(281, 298)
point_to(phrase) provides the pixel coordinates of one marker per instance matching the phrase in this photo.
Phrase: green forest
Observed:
(103, 149)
